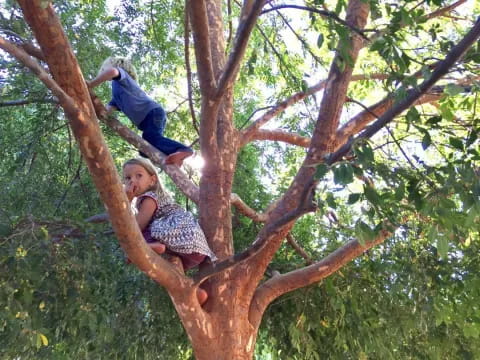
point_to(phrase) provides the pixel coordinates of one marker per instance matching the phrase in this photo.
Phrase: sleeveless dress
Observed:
(177, 229)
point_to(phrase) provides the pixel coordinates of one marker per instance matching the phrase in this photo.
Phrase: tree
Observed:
(341, 151)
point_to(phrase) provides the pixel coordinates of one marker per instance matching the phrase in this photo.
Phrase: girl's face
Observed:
(137, 180)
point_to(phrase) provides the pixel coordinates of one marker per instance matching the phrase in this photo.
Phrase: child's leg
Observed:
(159, 248)
(202, 296)
(177, 157)
(152, 127)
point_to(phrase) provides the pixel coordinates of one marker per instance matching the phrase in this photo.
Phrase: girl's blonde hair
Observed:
(119, 61)
(151, 170)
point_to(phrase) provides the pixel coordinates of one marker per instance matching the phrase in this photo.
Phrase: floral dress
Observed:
(177, 229)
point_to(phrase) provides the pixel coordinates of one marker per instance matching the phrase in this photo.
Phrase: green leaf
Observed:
(353, 198)
(400, 191)
(320, 40)
(343, 174)
(471, 330)
(426, 141)
(453, 89)
(456, 143)
(372, 195)
(472, 137)
(321, 171)
(432, 234)
(442, 246)
(363, 232)
(378, 45)
(331, 200)
(364, 153)
(412, 115)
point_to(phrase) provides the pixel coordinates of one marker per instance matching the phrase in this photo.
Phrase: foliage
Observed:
(74, 297)
(414, 297)
(405, 303)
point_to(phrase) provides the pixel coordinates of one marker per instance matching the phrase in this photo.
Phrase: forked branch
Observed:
(281, 284)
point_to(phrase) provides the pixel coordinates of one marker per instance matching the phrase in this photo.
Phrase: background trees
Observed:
(416, 180)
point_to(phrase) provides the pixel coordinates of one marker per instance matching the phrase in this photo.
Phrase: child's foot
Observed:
(177, 157)
(202, 296)
(157, 247)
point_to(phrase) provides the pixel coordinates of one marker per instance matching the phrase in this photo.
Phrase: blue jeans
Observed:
(153, 126)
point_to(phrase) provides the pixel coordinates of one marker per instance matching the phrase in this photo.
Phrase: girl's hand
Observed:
(130, 190)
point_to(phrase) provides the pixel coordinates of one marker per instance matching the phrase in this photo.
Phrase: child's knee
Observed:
(202, 296)
(157, 247)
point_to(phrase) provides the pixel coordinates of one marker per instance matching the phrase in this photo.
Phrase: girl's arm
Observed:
(146, 209)
(107, 74)
(145, 212)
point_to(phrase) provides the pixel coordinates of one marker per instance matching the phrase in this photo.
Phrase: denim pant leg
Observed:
(153, 126)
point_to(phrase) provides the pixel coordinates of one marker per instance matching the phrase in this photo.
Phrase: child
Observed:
(164, 224)
(145, 113)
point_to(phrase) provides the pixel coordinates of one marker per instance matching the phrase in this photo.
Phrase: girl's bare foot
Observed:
(157, 247)
(202, 296)
(177, 158)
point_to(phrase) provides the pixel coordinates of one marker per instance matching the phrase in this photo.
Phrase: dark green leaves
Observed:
(364, 153)
(343, 174)
(321, 171)
(452, 89)
(426, 140)
(412, 115)
(456, 143)
(372, 195)
(353, 198)
(320, 40)
(363, 232)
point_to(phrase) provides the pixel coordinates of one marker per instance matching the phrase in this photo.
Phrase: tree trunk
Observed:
(227, 333)
(232, 337)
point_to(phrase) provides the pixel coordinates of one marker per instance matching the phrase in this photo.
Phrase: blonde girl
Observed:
(165, 225)
(145, 113)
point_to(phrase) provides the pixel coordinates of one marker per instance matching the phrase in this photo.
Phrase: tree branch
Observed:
(29, 48)
(241, 40)
(27, 101)
(334, 96)
(244, 209)
(446, 9)
(249, 133)
(21, 55)
(283, 136)
(273, 229)
(414, 94)
(281, 284)
(189, 70)
(199, 20)
(430, 16)
(299, 249)
(323, 13)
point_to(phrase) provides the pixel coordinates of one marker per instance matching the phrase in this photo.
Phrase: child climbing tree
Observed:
(338, 152)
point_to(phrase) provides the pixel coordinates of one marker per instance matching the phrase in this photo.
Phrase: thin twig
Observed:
(189, 70)
(323, 13)
(299, 249)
